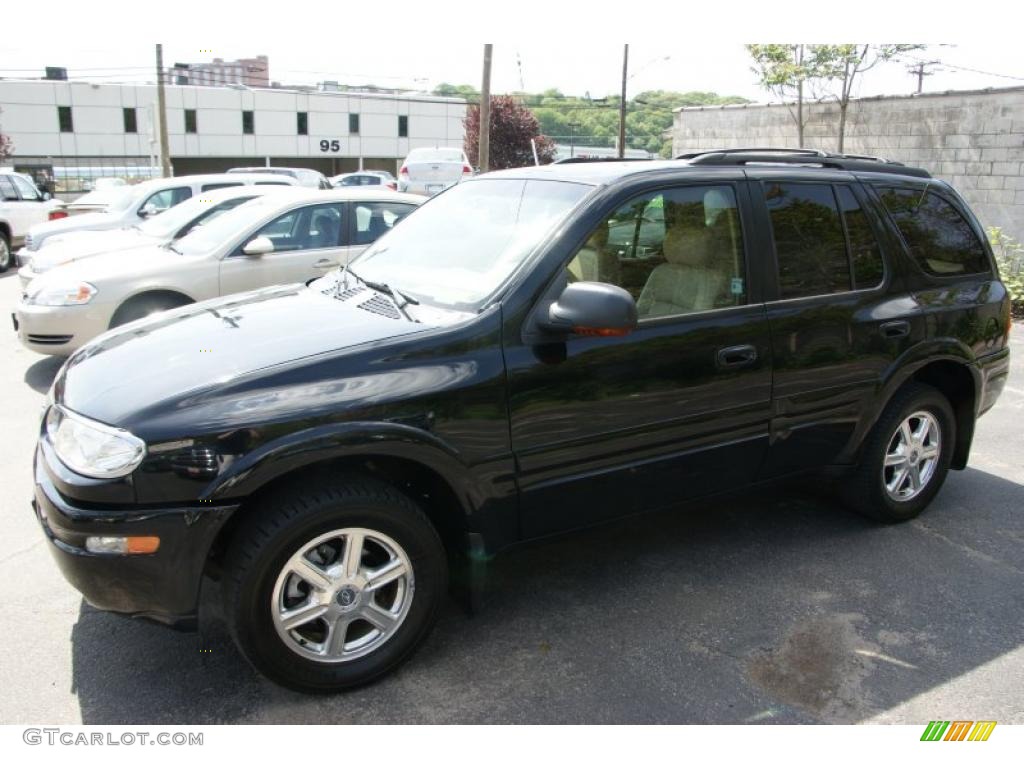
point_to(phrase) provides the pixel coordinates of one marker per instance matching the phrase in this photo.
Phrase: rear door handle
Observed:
(734, 357)
(324, 264)
(895, 329)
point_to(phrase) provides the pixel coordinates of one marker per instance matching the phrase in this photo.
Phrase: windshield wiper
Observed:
(393, 293)
(171, 247)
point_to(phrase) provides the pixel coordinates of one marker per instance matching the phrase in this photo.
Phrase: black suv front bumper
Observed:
(163, 586)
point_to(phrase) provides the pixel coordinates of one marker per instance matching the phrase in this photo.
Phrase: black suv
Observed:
(532, 351)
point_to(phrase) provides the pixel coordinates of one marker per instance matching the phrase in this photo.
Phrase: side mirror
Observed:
(258, 246)
(592, 309)
(149, 210)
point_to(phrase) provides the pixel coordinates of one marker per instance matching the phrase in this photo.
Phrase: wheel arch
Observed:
(151, 292)
(418, 465)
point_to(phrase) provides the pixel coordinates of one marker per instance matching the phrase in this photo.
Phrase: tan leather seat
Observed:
(687, 282)
(594, 262)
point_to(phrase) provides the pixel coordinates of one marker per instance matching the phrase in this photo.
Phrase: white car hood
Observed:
(72, 246)
(72, 223)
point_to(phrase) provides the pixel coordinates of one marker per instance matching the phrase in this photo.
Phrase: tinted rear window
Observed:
(937, 236)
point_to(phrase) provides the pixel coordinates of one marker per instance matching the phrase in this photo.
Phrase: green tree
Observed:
(842, 65)
(787, 71)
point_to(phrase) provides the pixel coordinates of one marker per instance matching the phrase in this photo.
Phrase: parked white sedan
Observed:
(22, 206)
(289, 237)
(158, 230)
(124, 206)
(429, 170)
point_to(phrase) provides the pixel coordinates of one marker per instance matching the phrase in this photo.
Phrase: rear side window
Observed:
(168, 198)
(375, 219)
(7, 190)
(938, 237)
(865, 255)
(809, 243)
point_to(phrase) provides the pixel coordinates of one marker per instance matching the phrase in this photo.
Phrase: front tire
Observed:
(6, 257)
(906, 457)
(334, 583)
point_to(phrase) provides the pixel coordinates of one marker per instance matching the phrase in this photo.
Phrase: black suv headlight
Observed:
(90, 448)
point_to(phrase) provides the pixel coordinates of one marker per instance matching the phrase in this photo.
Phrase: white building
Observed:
(76, 132)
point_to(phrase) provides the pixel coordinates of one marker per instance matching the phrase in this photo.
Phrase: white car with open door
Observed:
(289, 237)
(159, 230)
(429, 170)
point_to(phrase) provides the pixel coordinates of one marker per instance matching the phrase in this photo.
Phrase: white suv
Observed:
(133, 204)
(22, 206)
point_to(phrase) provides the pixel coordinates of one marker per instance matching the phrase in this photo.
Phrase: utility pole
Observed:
(485, 113)
(919, 70)
(573, 125)
(622, 102)
(161, 103)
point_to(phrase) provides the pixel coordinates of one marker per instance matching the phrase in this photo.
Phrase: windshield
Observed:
(197, 210)
(459, 248)
(224, 228)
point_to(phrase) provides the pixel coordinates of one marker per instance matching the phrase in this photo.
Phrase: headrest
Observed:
(687, 246)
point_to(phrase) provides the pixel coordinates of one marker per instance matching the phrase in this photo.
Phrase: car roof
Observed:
(601, 173)
(300, 195)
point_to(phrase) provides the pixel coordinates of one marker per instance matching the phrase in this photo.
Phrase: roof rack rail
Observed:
(812, 157)
(566, 160)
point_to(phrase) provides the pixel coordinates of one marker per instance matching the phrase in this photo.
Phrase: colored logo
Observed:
(958, 730)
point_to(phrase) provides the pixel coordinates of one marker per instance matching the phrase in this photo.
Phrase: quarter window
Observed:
(809, 244)
(865, 255)
(938, 237)
(676, 251)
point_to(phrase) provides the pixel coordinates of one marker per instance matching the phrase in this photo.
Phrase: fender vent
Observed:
(195, 462)
(378, 305)
(37, 338)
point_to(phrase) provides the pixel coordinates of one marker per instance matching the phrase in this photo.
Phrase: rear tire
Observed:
(290, 583)
(905, 458)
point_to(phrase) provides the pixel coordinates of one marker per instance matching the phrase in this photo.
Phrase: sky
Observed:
(572, 46)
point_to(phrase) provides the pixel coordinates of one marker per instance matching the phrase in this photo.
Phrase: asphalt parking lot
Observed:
(776, 607)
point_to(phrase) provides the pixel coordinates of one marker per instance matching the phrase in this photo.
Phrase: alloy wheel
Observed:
(342, 595)
(912, 456)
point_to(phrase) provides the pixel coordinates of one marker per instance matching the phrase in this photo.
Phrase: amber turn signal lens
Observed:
(142, 545)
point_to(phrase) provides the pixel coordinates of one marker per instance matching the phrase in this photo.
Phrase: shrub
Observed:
(1010, 259)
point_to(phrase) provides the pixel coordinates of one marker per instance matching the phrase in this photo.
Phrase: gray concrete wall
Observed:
(972, 139)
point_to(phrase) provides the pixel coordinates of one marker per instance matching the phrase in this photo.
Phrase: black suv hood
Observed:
(203, 346)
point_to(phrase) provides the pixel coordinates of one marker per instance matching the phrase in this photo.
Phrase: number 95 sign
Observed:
(330, 146)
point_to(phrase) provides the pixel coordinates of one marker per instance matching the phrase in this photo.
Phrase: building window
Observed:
(191, 125)
(302, 123)
(64, 118)
(403, 125)
(131, 124)
(247, 121)
(353, 122)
